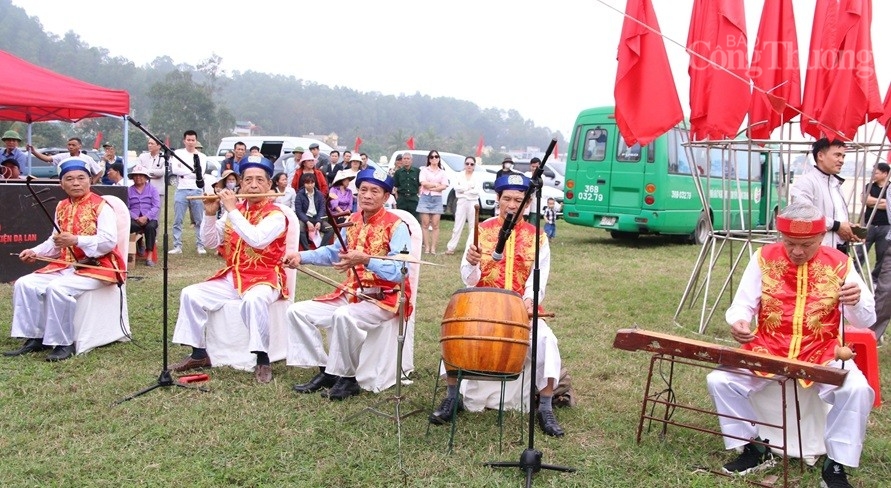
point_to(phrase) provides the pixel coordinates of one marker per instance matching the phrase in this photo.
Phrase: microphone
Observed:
(503, 235)
(199, 177)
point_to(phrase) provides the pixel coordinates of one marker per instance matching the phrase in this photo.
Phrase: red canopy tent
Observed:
(30, 93)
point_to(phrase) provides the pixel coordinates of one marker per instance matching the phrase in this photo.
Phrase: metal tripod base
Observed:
(397, 414)
(530, 463)
(164, 379)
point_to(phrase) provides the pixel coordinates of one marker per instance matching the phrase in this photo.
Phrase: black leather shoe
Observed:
(548, 423)
(344, 388)
(30, 345)
(319, 381)
(61, 353)
(443, 414)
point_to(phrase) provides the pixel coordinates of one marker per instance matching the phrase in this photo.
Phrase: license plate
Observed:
(607, 221)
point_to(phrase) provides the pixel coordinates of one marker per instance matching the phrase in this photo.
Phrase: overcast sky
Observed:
(546, 59)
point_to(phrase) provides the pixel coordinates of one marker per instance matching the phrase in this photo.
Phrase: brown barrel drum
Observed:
(485, 331)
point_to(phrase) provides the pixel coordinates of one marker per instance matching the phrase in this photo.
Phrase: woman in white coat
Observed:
(466, 196)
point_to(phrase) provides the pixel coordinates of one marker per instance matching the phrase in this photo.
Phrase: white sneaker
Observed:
(201, 250)
(175, 250)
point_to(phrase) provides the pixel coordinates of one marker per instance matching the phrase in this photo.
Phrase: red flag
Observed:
(358, 143)
(167, 141)
(819, 70)
(98, 143)
(853, 97)
(479, 148)
(719, 87)
(647, 103)
(775, 70)
(885, 119)
(557, 151)
(410, 142)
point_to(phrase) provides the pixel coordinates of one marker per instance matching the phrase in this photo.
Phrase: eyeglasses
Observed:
(435, 156)
(469, 164)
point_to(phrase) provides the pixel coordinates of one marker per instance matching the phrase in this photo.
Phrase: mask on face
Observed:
(230, 186)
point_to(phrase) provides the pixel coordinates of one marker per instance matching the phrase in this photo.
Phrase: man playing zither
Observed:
(44, 301)
(800, 291)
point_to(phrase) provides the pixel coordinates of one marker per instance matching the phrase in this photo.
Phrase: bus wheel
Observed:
(700, 233)
(620, 234)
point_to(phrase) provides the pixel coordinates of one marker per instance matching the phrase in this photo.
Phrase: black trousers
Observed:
(149, 230)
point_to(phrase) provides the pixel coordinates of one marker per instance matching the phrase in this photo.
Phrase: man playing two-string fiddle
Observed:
(800, 291)
(512, 272)
(372, 231)
(251, 237)
(44, 301)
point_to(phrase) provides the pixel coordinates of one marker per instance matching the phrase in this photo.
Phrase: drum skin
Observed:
(485, 331)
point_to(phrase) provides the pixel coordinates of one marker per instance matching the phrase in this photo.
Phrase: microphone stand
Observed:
(164, 378)
(530, 459)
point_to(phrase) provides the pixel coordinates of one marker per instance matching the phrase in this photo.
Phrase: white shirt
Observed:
(92, 165)
(824, 192)
(154, 164)
(257, 236)
(748, 297)
(186, 175)
(466, 189)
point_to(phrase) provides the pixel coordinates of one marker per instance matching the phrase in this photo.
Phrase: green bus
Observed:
(636, 190)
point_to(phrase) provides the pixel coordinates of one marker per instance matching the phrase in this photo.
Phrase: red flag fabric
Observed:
(853, 97)
(410, 142)
(719, 87)
(775, 70)
(98, 143)
(819, 72)
(647, 103)
(557, 151)
(358, 143)
(479, 148)
(885, 119)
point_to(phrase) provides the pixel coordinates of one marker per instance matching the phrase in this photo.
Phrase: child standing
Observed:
(550, 218)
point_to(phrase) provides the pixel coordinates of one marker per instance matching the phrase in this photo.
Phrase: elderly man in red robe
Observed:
(44, 301)
(513, 272)
(799, 290)
(373, 232)
(251, 237)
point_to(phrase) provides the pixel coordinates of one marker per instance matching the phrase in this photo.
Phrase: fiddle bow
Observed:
(332, 221)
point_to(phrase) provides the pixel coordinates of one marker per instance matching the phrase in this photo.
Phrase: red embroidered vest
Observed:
(82, 218)
(799, 315)
(514, 269)
(251, 266)
(373, 238)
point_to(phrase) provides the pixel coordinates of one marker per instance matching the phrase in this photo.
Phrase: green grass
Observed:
(59, 427)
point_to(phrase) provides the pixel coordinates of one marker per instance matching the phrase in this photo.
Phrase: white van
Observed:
(272, 147)
(453, 165)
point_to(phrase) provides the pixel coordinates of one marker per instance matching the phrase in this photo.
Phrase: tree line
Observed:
(168, 98)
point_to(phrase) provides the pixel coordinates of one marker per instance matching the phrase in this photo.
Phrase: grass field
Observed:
(59, 427)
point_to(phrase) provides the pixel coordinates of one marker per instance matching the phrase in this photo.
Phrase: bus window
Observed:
(595, 144)
(678, 159)
(625, 154)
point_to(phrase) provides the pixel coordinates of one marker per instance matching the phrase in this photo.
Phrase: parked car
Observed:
(546, 191)
(288, 160)
(453, 165)
(550, 177)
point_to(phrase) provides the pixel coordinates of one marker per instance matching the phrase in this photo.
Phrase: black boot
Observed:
(61, 353)
(319, 381)
(344, 388)
(443, 414)
(30, 345)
